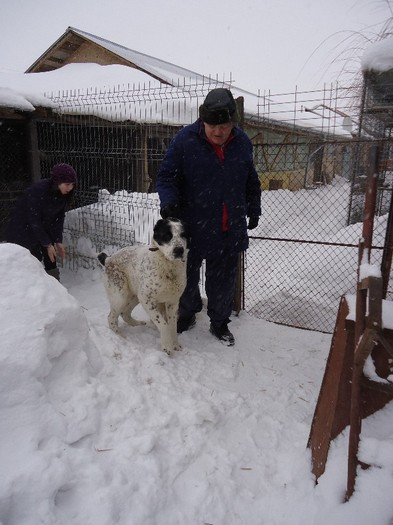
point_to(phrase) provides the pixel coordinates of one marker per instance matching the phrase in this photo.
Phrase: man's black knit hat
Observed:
(219, 107)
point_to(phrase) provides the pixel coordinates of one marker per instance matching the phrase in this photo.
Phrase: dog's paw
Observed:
(169, 351)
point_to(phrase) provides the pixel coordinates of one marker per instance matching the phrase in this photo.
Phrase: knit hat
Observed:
(219, 107)
(63, 173)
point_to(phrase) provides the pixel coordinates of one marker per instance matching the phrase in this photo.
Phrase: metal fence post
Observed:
(238, 300)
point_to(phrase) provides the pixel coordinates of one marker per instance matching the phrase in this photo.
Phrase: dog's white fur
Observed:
(153, 276)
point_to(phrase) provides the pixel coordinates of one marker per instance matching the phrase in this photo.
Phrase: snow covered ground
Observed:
(102, 430)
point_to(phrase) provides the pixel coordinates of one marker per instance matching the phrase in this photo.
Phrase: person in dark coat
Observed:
(38, 217)
(208, 179)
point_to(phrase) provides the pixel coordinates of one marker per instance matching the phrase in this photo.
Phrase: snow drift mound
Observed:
(48, 390)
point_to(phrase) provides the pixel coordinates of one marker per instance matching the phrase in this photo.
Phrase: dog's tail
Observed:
(102, 258)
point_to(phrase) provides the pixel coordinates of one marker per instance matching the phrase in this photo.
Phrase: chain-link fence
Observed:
(304, 254)
(305, 257)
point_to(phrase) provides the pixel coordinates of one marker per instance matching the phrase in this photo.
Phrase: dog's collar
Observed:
(153, 249)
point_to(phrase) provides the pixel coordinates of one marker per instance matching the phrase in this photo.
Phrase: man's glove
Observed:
(170, 210)
(252, 223)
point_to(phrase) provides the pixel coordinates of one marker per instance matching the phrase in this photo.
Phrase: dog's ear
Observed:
(102, 257)
(158, 226)
(159, 223)
(162, 232)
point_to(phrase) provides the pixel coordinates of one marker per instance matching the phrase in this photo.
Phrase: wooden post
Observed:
(367, 236)
(363, 349)
(363, 337)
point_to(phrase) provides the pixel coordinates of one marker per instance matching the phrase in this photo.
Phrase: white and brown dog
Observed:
(154, 276)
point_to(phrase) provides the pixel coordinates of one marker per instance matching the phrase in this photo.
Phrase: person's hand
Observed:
(252, 223)
(51, 253)
(170, 210)
(60, 250)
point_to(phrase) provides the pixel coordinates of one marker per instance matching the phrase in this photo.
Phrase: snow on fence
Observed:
(114, 221)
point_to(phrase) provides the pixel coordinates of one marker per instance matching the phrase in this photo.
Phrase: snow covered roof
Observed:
(69, 64)
(121, 93)
(378, 56)
(113, 92)
(61, 52)
(68, 48)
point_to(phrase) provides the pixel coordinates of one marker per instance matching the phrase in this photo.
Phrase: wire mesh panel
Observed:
(298, 284)
(110, 223)
(309, 153)
(313, 172)
(304, 255)
(111, 156)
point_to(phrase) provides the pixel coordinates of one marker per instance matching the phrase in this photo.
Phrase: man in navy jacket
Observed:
(208, 179)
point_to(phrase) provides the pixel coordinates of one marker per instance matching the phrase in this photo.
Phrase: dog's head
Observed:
(170, 237)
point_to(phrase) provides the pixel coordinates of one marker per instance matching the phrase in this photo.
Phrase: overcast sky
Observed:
(263, 44)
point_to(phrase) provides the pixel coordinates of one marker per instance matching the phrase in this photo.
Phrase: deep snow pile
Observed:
(47, 388)
(96, 429)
